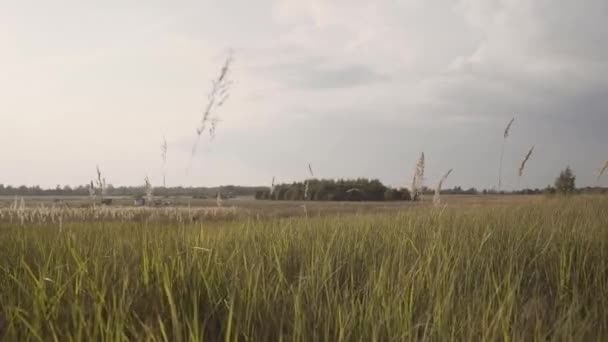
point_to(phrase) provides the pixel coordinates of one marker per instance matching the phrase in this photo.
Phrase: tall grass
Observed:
(534, 272)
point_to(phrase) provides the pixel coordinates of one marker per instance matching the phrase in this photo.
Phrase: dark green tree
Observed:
(405, 194)
(392, 195)
(565, 183)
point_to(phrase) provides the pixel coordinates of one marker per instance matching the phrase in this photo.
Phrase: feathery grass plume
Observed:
(101, 184)
(523, 162)
(306, 183)
(272, 187)
(92, 192)
(602, 171)
(163, 154)
(149, 190)
(218, 199)
(508, 128)
(418, 180)
(306, 190)
(437, 196)
(213, 125)
(218, 95)
(21, 211)
(502, 151)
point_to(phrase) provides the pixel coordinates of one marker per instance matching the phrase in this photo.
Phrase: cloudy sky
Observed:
(355, 87)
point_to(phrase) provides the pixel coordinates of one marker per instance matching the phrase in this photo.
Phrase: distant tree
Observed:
(322, 191)
(355, 194)
(279, 194)
(374, 191)
(330, 190)
(392, 195)
(294, 194)
(397, 195)
(549, 190)
(405, 194)
(261, 194)
(338, 194)
(565, 183)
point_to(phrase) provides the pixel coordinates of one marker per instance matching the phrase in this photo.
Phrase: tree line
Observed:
(360, 189)
(110, 190)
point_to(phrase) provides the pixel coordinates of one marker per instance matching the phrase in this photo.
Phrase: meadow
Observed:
(496, 270)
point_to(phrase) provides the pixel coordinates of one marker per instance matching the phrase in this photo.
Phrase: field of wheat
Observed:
(533, 271)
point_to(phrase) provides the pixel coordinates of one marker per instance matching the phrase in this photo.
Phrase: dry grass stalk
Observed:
(218, 95)
(508, 128)
(101, 184)
(21, 211)
(149, 190)
(523, 163)
(218, 198)
(92, 192)
(163, 154)
(306, 190)
(272, 187)
(307, 182)
(437, 196)
(418, 180)
(502, 152)
(602, 171)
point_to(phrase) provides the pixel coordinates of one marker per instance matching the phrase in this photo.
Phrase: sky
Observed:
(357, 88)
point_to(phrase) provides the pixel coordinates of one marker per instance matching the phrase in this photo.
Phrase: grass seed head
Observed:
(602, 170)
(508, 128)
(418, 181)
(524, 161)
(437, 196)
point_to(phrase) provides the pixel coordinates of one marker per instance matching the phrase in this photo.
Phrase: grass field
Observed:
(531, 269)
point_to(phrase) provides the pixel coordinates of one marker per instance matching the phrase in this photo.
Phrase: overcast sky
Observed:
(355, 87)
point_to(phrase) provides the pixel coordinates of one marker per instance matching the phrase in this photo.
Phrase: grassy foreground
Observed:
(533, 272)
